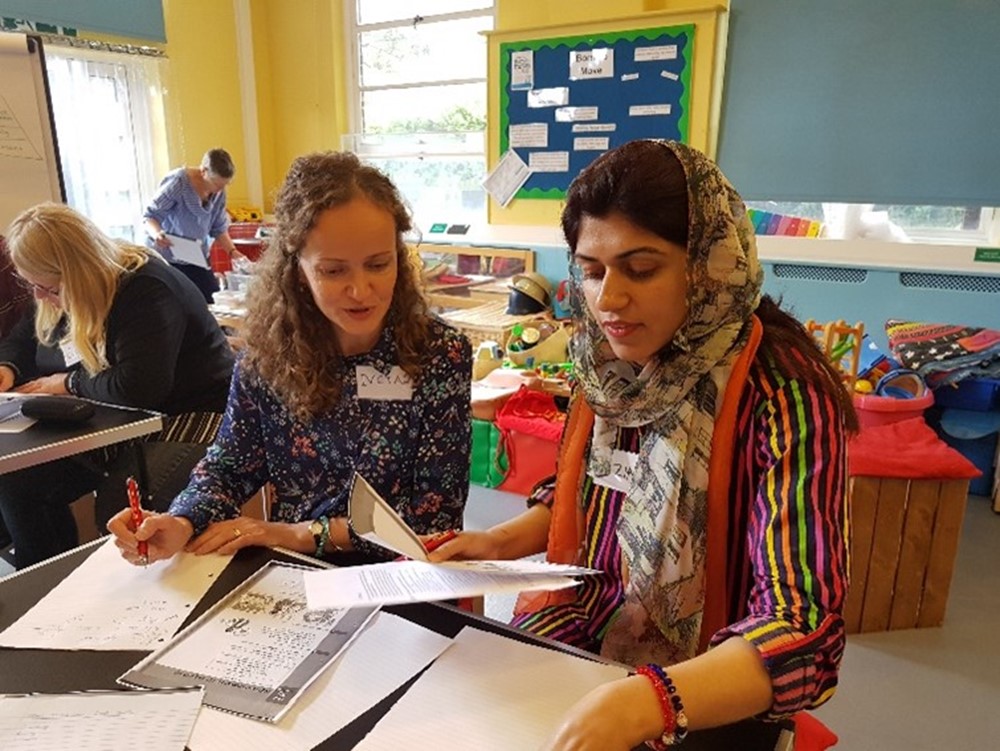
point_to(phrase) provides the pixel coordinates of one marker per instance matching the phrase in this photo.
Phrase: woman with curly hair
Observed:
(344, 371)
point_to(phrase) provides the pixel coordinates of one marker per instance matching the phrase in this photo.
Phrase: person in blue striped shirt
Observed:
(191, 203)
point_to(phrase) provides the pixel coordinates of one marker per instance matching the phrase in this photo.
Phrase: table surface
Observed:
(52, 671)
(47, 441)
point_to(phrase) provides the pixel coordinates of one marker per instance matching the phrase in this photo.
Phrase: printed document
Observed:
(418, 581)
(256, 650)
(109, 604)
(387, 653)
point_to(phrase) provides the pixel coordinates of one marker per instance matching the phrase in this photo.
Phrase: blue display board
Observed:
(566, 100)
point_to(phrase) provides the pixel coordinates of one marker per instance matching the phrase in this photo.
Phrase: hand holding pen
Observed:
(133, 503)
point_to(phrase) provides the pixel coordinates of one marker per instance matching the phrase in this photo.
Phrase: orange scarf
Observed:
(567, 526)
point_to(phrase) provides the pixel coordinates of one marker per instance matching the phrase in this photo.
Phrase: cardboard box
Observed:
(904, 537)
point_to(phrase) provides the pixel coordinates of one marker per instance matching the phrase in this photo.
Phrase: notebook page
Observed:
(494, 693)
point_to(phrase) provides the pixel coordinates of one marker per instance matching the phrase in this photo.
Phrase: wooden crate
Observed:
(487, 322)
(904, 537)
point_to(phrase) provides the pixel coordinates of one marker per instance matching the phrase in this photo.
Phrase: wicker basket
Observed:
(486, 322)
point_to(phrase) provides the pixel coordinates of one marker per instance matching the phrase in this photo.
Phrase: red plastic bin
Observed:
(882, 410)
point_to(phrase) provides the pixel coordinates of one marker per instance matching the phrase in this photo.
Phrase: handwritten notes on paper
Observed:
(492, 693)
(256, 650)
(99, 721)
(14, 141)
(109, 604)
(260, 638)
(389, 652)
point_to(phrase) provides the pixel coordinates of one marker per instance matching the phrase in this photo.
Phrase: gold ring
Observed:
(236, 533)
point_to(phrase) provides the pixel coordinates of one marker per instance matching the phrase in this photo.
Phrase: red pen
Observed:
(435, 542)
(133, 503)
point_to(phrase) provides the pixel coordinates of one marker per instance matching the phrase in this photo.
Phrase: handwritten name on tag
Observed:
(396, 385)
(622, 469)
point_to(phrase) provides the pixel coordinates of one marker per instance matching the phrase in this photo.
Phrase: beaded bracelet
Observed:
(324, 536)
(675, 723)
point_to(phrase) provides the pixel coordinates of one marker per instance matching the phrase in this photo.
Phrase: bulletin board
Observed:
(566, 100)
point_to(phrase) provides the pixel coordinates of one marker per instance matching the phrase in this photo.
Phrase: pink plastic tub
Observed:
(882, 410)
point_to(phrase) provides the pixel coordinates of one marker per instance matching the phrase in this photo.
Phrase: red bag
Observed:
(531, 426)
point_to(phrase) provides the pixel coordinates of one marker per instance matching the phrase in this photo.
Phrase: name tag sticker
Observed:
(622, 468)
(70, 354)
(393, 386)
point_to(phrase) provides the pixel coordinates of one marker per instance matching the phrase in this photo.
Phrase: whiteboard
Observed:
(29, 165)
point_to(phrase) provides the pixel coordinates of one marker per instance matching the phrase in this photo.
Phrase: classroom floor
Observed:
(915, 690)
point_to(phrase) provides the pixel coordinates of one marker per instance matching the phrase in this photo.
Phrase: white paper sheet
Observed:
(522, 70)
(11, 419)
(528, 135)
(98, 721)
(549, 161)
(417, 581)
(376, 521)
(109, 604)
(186, 250)
(383, 657)
(506, 178)
(488, 692)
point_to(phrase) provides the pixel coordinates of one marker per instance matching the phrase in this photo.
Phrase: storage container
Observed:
(904, 538)
(980, 394)
(881, 410)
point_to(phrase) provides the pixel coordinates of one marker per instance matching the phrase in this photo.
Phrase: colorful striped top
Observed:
(787, 551)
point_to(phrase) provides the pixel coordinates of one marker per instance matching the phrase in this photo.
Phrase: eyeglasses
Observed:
(40, 288)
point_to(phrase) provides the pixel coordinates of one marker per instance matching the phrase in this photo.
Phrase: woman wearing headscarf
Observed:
(702, 467)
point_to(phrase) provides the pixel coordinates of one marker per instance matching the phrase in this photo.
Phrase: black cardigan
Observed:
(165, 351)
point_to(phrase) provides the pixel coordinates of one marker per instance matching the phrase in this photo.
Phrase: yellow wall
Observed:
(519, 20)
(300, 61)
(203, 106)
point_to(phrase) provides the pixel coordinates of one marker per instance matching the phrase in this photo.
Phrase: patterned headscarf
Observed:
(675, 397)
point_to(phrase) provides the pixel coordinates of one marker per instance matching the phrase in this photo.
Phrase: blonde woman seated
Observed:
(111, 322)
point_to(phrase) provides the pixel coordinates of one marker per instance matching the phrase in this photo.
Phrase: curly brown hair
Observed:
(289, 340)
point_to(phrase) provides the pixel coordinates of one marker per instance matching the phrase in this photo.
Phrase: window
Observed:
(109, 125)
(932, 224)
(420, 101)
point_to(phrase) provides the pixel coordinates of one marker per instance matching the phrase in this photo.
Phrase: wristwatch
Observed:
(320, 530)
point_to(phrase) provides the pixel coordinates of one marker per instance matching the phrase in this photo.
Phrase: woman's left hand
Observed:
(50, 384)
(226, 537)
(616, 716)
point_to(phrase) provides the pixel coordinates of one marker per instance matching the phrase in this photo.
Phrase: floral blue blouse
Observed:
(414, 452)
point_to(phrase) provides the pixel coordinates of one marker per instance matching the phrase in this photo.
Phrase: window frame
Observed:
(421, 148)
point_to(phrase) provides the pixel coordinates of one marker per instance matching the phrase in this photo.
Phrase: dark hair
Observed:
(288, 336)
(218, 162)
(644, 181)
